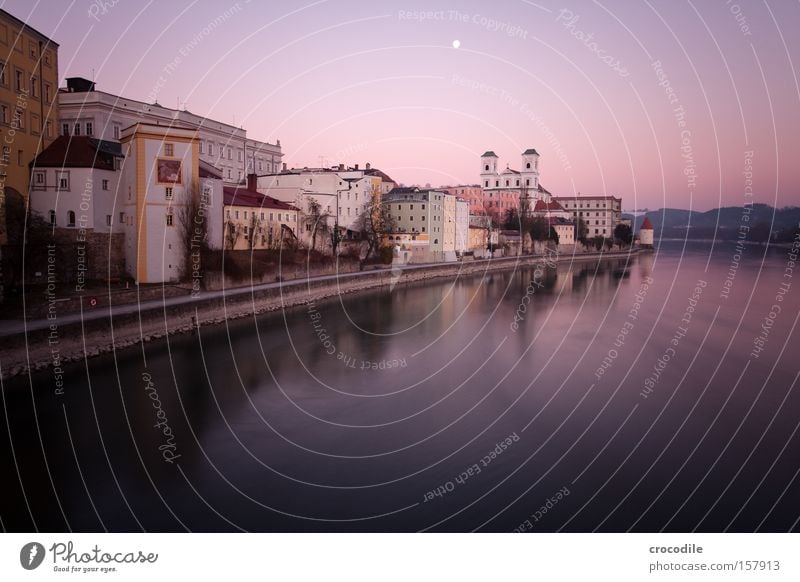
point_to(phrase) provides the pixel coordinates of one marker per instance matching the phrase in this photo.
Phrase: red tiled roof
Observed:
(240, 196)
(646, 225)
(542, 206)
(78, 151)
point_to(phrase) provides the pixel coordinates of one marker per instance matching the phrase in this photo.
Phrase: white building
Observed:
(342, 193)
(84, 111)
(601, 214)
(161, 167)
(74, 183)
(503, 188)
(462, 226)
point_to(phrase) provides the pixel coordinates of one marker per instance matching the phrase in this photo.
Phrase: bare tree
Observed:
(316, 220)
(254, 226)
(192, 225)
(232, 234)
(374, 223)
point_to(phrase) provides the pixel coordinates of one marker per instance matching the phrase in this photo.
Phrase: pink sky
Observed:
(354, 82)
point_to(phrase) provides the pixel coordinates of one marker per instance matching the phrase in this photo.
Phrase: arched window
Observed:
(528, 166)
(71, 218)
(486, 167)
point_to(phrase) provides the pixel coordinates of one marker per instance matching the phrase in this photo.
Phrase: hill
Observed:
(765, 222)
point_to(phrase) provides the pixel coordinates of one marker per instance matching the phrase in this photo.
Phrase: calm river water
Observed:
(656, 393)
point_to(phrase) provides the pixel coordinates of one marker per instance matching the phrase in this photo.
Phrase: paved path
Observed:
(19, 327)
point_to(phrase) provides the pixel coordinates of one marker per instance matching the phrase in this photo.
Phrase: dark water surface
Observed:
(425, 407)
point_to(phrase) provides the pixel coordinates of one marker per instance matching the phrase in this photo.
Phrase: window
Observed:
(528, 166)
(5, 115)
(39, 180)
(36, 124)
(169, 149)
(34, 87)
(19, 80)
(497, 182)
(77, 129)
(122, 218)
(89, 128)
(229, 173)
(245, 214)
(116, 132)
(262, 216)
(528, 182)
(211, 149)
(201, 147)
(52, 218)
(19, 118)
(48, 128)
(168, 192)
(272, 216)
(228, 213)
(71, 218)
(230, 154)
(486, 184)
(108, 220)
(237, 214)
(486, 167)
(63, 180)
(170, 217)
(240, 155)
(105, 184)
(48, 93)
(65, 129)
(3, 76)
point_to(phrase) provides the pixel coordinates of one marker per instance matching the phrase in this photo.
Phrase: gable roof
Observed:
(78, 151)
(542, 206)
(241, 196)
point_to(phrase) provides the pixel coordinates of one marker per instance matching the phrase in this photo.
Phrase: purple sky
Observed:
(352, 82)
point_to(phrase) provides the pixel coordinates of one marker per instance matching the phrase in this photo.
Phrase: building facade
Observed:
(28, 106)
(254, 221)
(503, 188)
(462, 226)
(74, 183)
(472, 193)
(420, 213)
(601, 214)
(85, 111)
(343, 194)
(160, 173)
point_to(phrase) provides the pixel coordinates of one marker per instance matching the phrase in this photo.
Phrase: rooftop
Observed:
(72, 151)
(241, 196)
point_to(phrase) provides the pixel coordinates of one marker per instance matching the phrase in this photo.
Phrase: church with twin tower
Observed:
(502, 189)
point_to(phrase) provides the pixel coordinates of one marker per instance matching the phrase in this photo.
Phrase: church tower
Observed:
(488, 169)
(530, 170)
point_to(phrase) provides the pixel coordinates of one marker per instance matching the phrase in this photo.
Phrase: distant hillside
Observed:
(765, 222)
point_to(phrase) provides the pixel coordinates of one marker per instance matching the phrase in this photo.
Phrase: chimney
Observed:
(252, 182)
(356, 166)
(341, 167)
(369, 166)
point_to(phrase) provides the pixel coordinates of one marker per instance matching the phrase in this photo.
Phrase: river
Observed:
(656, 393)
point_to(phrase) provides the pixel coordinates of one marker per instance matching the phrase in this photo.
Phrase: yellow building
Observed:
(255, 221)
(28, 104)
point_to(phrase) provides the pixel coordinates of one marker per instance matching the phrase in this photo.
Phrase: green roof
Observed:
(489, 153)
(530, 151)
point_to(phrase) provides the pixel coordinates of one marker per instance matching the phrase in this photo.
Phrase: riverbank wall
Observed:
(55, 341)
